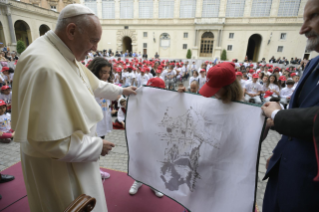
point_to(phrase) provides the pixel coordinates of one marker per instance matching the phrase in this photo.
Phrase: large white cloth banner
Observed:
(196, 150)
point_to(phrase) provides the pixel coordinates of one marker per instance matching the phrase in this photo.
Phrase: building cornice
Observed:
(199, 23)
(29, 8)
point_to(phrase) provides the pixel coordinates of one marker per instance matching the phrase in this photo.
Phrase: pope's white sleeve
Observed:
(107, 91)
(76, 148)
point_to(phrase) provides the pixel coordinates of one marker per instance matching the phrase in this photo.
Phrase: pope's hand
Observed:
(107, 146)
(129, 90)
(270, 107)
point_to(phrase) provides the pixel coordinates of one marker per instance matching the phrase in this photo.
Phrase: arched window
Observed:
(108, 8)
(165, 40)
(288, 7)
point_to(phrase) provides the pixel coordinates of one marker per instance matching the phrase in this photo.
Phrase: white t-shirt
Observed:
(116, 78)
(104, 126)
(165, 73)
(6, 98)
(273, 87)
(128, 78)
(150, 75)
(243, 83)
(191, 79)
(253, 88)
(143, 80)
(5, 122)
(202, 81)
(286, 92)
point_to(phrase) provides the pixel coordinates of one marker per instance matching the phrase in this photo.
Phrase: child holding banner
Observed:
(159, 83)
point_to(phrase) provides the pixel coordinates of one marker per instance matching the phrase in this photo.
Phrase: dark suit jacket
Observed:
(294, 158)
(296, 122)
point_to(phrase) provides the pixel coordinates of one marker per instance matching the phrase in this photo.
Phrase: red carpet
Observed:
(116, 193)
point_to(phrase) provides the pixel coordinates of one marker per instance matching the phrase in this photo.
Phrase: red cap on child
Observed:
(2, 102)
(156, 82)
(5, 87)
(217, 77)
(5, 69)
(202, 70)
(282, 78)
(238, 73)
(293, 74)
(255, 76)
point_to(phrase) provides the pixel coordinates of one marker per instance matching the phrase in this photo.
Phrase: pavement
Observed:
(117, 158)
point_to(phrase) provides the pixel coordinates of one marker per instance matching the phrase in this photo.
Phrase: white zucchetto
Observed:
(73, 10)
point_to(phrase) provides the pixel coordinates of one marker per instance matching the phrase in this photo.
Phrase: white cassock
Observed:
(54, 116)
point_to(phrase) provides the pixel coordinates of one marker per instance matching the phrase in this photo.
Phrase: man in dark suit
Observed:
(292, 171)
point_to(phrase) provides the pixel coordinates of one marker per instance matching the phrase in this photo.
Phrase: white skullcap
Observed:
(73, 10)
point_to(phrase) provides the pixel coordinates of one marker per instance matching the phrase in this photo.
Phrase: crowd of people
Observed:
(261, 82)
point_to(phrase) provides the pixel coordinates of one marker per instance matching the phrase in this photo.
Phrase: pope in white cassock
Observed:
(54, 113)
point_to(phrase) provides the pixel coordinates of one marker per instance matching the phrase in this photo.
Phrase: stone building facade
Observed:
(256, 28)
(23, 21)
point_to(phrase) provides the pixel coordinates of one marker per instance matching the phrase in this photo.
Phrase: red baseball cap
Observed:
(5, 87)
(202, 70)
(255, 76)
(217, 77)
(156, 82)
(251, 71)
(293, 74)
(238, 73)
(158, 71)
(282, 78)
(270, 70)
(2, 102)
(251, 65)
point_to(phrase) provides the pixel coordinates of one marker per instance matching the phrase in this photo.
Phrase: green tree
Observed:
(20, 46)
(223, 56)
(189, 54)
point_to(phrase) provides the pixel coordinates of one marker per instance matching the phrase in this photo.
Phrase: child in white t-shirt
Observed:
(286, 92)
(102, 69)
(202, 78)
(155, 82)
(239, 77)
(6, 133)
(193, 78)
(143, 78)
(169, 76)
(6, 96)
(252, 90)
(121, 112)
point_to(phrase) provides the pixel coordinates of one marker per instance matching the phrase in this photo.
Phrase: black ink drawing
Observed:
(184, 136)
